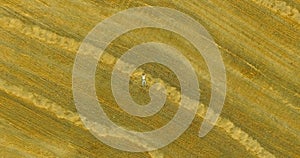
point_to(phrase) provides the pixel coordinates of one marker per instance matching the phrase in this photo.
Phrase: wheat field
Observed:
(259, 41)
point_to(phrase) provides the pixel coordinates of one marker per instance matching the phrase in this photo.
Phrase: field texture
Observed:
(259, 42)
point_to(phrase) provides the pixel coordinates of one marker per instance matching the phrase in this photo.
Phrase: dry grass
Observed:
(259, 41)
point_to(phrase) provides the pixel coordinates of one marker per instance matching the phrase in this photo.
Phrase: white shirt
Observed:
(143, 77)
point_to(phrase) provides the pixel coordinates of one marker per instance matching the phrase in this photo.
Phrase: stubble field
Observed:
(259, 41)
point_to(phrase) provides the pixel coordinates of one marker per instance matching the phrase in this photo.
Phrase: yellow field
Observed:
(260, 45)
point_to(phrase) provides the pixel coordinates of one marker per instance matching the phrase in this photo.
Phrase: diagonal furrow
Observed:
(71, 45)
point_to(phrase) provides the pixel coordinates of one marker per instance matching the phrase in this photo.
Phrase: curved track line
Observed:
(70, 44)
(44, 103)
(156, 154)
(234, 132)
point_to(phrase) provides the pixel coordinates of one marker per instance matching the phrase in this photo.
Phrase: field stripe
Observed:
(234, 132)
(40, 102)
(33, 147)
(71, 45)
(60, 112)
(282, 8)
(39, 33)
(44, 103)
(65, 42)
